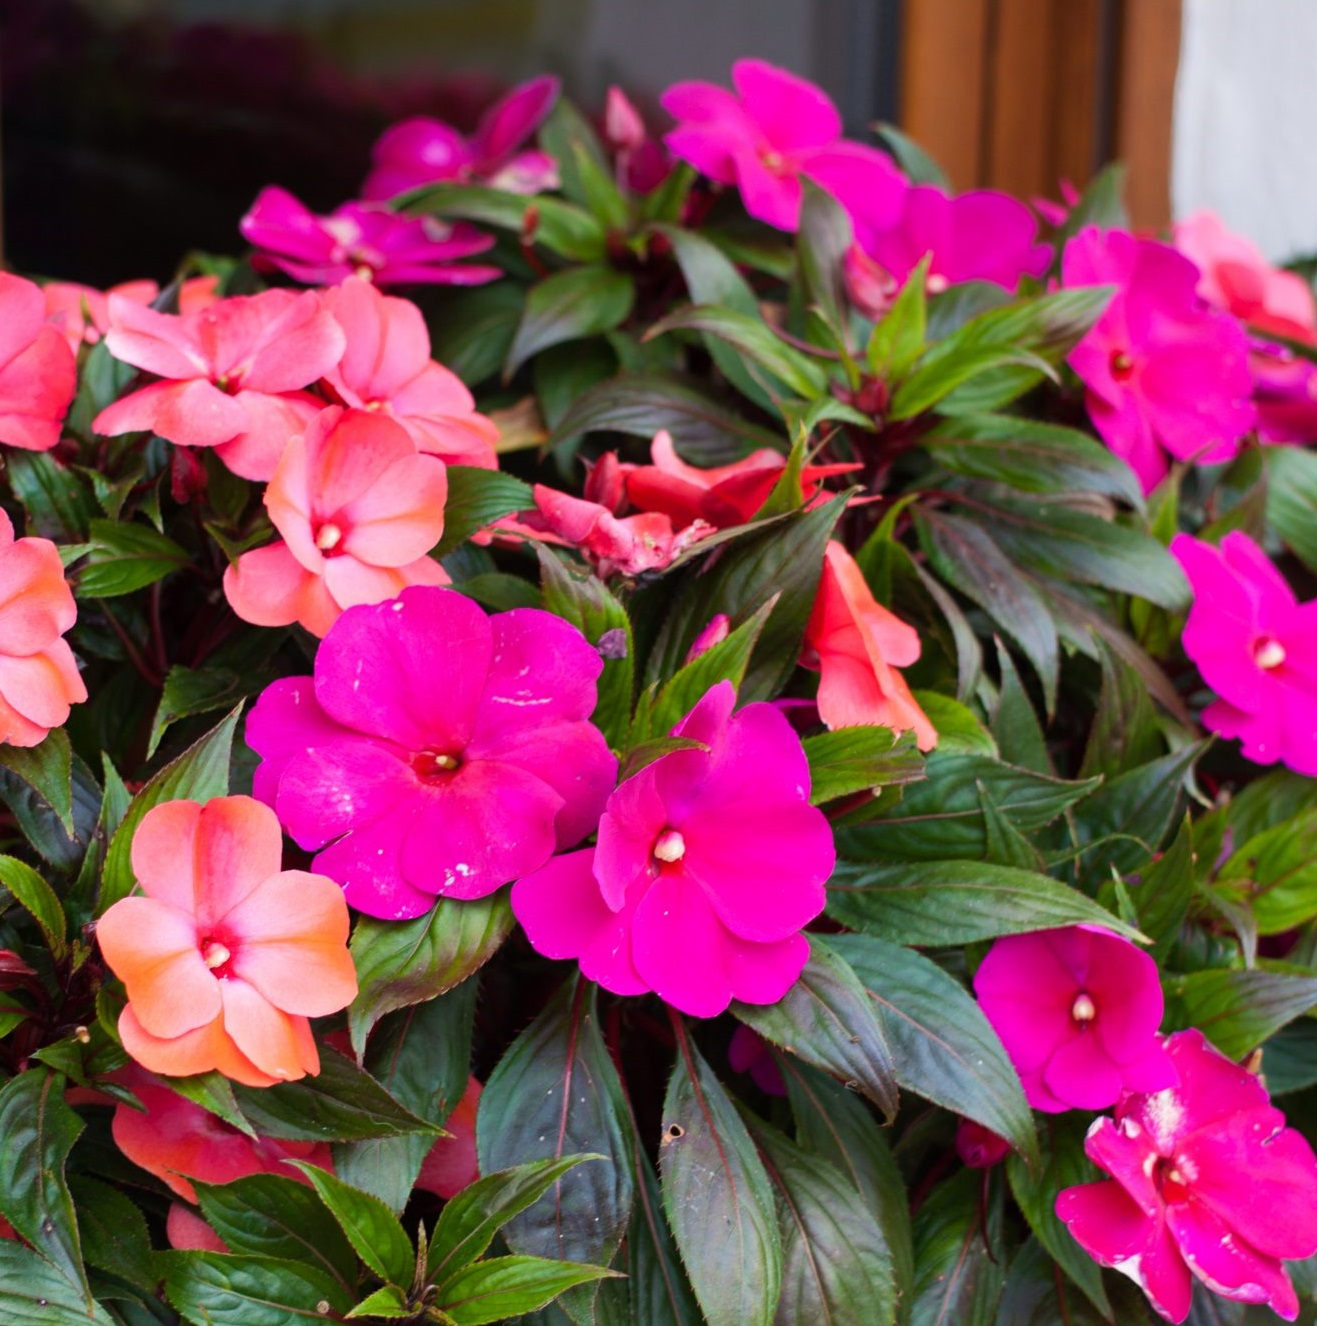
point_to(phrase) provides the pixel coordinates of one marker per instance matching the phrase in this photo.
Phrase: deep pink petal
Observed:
(1226, 1264)
(1079, 1073)
(793, 113)
(512, 119)
(365, 864)
(285, 721)
(350, 781)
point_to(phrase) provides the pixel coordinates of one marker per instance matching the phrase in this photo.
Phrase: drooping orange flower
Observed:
(39, 677)
(227, 955)
(857, 645)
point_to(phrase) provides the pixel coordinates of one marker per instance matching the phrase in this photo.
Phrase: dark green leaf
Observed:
(827, 1019)
(1101, 205)
(190, 691)
(855, 759)
(998, 373)
(916, 164)
(942, 1045)
(47, 768)
(1292, 500)
(579, 302)
(214, 1093)
(1238, 1010)
(505, 1287)
(1289, 1058)
(35, 1293)
(824, 237)
(1276, 871)
(564, 373)
(476, 328)
(476, 499)
(718, 1198)
(114, 1233)
(371, 1228)
(569, 138)
(566, 230)
(216, 1289)
(960, 1271)
(659, 1290)
(57, 502)
(125, 557)
(1125, 731)
(642, 756)
(33, 893)
(1164, 891)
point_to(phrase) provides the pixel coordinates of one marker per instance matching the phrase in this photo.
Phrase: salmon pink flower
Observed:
(1162, 372)
(411, 789)
(451, 1164)
(361, 240)
(773, 131)
(82, 313)
(1206, 1181)
(423, 151)
(1256, 647)
(857, 645)
(387, 367)
(358, 509)
(39, 677)
(38, 372)
(708, 865)
(186, 1231)
(231, 374)
(178, 1141)
(227, 956)
(1077, 1010)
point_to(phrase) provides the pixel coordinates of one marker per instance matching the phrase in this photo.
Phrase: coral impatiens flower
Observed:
(775, 129)
(1256, 647)
(227, 955)
(358, 509)
(232, 374)
(708, 865)
(82, 313)
(1077, 1010)
(857, 645)
(38, 371)
(177, 1141)
(1163, 373)
(423, 151)
(452, 1163)
(387, 367)
(1206, 1181)
(437, 751)
(361, 240)
(39, 677)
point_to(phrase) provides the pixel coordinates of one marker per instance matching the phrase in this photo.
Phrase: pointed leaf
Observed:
(1238, 1010)
(569, 305)
(217, 1289)
(47, 768)
(32, 892)
(960, 1272)
(858, 759)
(476, 499)
(371, 1228)
(35, 1293)
(505, 1287)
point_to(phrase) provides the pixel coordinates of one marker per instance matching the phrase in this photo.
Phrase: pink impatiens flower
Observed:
(775, 129)
(437, 751)
(38, 372)
(358, 509)
(1206, 1181)
(1077, 1010)
(1256, 647)
(361, 240)
(387, 367)
(423, 151)
(708, 864)
(231, 374)
(1163, 373)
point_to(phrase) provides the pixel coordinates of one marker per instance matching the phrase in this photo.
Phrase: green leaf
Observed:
(579, 302)
(642, 756)
(942, 1045)
(191, 691)
(915, 163)
(934, 379)
(505, 1287)
(1277, 873)
(400, 963)
(47, 768)
(214, 1093)
(824, 236)
(857, 759)
(124, 557)
(388, 1302)
(273, 1216)
(659, 1291)
(560, 227)
(827, 1019)
(718, 1198)
(569, 138)
(341, 1104)
(33, 893)
(960, 1270)
(1238, 1010)
(200, 773)
(899, 337)
(1165, 890)
(1292, 500)
(836, 1265)
(57, 502)
(218, 1289)
(35, 1293)
(938, 903)
(553, 1095)
(563, 373)
(476, 499)
(372, 1229)
(113, 1231)
(585, 601)
(1125, 731)
(942, 817)
(37, 1132)
(1101, 205)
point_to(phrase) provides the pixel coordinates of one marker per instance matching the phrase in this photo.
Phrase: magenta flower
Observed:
(423, 151)
(1163, 372)
(1077, 1010)
(1205, 1179)
(709, 863)
(437, 751)
(979, 1147)
(749, 1052)
(979, 236)
(361, 240)
(1256, 647)
(231, 374)
(773, 130)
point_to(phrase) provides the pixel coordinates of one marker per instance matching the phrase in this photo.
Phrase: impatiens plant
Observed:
(739, 747)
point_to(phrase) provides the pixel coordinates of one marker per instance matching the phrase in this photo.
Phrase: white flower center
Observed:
(671, 846)
(215, 954)
(1268, 653)
(330, 537)
(1083, 1009)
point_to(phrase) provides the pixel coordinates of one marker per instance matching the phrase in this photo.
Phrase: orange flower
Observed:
(227, 956)
(857, 645)
(452, 1164)
(39, 678)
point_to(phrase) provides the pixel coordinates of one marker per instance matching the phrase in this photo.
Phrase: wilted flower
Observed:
(362, 240)
(1077, 1010)
(38, 373)
(412, 790)
(359, 510)
(1206, 1180)
(227, 956)
(708, 864)
(1256, 647)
